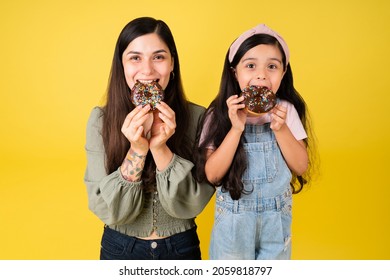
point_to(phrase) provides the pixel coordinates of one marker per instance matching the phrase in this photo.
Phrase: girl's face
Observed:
(261, 66)
(147, 58)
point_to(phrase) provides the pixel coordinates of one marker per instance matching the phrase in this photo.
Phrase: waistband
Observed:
(161, 241)
(257, 204)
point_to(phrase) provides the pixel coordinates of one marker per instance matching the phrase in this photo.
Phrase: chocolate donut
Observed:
(258, 100)
(147, 93)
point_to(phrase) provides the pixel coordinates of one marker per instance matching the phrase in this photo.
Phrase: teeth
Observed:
(146, 81)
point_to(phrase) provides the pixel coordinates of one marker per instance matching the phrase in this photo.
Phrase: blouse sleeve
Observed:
(113, 199)
(180, 194)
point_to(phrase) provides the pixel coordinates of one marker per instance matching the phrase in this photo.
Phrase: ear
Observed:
(284, 72)
(172, 64)
(233, 72)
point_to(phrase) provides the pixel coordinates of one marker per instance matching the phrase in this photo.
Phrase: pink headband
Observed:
(259, 29)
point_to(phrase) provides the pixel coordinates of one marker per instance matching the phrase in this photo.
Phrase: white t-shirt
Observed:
(292, 120)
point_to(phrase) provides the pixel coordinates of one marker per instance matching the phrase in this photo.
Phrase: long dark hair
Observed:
(220, 124)
(118, 103)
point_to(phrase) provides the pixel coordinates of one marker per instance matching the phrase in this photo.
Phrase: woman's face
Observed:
(261, 66)
(146, 59)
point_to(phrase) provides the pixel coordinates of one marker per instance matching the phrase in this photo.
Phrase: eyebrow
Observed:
(137, 52)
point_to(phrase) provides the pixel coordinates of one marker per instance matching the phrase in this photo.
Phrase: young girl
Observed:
(256, 162)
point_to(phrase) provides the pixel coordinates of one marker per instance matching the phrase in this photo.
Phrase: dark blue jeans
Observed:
(181, 246)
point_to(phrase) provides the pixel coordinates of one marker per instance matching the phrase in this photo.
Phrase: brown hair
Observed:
(118, 103)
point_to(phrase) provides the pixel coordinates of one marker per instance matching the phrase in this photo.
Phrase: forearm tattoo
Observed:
(133, 166)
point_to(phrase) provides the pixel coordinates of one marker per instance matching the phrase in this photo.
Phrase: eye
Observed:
(250, 65)
(135, 58)
(159, 57)
(273, 66)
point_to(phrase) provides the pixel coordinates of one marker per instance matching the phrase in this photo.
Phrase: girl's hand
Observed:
(134, 126)
(163, 127)
(237, 116)
(278, 117)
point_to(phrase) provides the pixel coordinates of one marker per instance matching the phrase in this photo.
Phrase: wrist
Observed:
(162, 156)
(237, 130)
(279, 128)
(132, 166)
(162, 150)
(137, 151)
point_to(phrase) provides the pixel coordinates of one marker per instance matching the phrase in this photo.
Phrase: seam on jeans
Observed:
(287, 242)
(130, 246)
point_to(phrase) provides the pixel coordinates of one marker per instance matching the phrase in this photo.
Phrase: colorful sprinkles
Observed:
(147, 93)
(258, 100)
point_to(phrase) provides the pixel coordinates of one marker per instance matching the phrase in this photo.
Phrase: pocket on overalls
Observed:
(262, 162)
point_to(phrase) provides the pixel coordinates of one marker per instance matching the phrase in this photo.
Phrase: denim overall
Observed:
(258, 225)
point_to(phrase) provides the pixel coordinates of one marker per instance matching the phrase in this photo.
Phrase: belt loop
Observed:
(131, 244)
(277, 202)
(235, 206)
(168, 244)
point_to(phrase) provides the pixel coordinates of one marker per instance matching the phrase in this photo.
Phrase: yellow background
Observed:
(55, 58)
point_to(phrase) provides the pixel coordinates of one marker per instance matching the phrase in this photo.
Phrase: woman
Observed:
(139, 173)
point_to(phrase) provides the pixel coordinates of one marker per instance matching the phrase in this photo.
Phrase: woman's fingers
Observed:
(167, 116)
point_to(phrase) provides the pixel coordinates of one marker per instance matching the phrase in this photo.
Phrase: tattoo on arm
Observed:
(133, 166)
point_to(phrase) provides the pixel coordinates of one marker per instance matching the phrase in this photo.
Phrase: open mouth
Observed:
(257, 86)
(148, 81)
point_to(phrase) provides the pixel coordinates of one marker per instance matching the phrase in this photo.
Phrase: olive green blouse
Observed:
(123, 206)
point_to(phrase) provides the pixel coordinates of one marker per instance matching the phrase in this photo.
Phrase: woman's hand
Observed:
(136, 123)
(237, 116)
(163, 127)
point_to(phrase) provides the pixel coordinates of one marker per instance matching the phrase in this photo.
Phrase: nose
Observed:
(261, 76)
(147, 68)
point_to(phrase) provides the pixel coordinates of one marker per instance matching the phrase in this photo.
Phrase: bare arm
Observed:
(219, 161)
(164, 125)
(132, 166)
(133, 128)
(294, 151)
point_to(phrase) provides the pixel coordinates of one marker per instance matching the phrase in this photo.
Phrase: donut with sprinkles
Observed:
(147, 93)
(258, 100)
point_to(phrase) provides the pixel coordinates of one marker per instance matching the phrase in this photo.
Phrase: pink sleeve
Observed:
(293, 121)
(205, 131)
